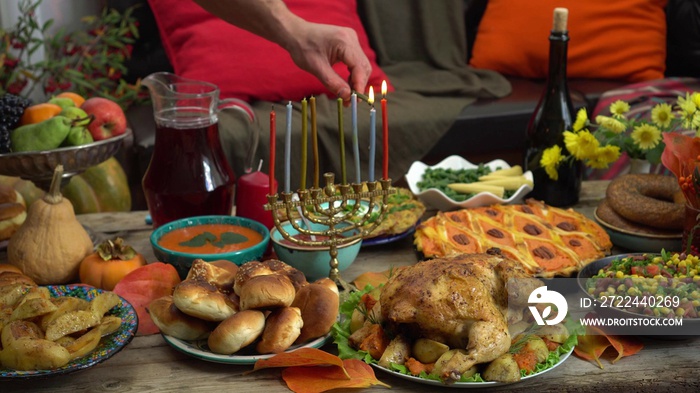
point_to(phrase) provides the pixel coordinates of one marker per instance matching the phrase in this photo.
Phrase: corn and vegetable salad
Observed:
(663, 285)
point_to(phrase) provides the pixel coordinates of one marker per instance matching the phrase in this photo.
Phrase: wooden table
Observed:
(148, 364)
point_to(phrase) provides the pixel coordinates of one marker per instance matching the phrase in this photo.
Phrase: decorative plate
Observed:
(379, 240)
(638, 242)
(471, 385)
(199, 349)
(107, 348)
(440, 201)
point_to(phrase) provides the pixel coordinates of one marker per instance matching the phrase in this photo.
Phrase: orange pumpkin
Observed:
(109, 264)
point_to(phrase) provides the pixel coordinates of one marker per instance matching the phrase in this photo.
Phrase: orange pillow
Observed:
(609, 39)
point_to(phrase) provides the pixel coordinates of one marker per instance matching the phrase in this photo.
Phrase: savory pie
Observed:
(546, 240)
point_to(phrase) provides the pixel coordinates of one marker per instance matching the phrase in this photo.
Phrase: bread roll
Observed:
(236, 332)
(10, 277)
(319, 310)
(266, 292)
(253, 269)
(13, 211)
(173, 322)
(225, 264)
(282, 328)
(203, 300)
(328, 283)
(212, 273)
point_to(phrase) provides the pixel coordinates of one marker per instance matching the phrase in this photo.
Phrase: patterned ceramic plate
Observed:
(109, 345)
(200, 350)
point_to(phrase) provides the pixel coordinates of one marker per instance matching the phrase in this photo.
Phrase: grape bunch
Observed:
(11, 110)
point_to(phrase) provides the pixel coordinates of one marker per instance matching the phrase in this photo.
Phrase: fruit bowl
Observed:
(38, 166)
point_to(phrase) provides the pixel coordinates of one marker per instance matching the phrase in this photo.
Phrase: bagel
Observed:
(203, 300)
(271, 266)
(173, 322)
(267, 292)
(319, 310)
(647, 199)
(236, 332)
(607, 216)
(13, 211)
(282, 328)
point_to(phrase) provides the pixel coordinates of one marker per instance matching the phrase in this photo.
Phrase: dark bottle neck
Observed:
(558, 52)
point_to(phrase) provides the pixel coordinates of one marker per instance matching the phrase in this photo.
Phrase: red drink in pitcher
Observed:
(188, 175)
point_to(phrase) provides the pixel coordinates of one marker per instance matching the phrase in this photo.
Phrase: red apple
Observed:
(109, 118)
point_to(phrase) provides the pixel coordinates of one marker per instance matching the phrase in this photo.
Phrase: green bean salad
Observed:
(440, 178)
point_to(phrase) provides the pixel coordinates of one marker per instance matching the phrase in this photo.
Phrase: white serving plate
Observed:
(438, 200)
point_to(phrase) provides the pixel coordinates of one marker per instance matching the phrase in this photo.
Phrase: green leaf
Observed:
(228, 238)
(199, 240)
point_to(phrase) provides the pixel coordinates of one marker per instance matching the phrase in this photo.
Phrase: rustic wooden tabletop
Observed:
(149, 364)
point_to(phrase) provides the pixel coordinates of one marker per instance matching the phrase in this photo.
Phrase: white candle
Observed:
(372, 133)
(355, 137)
(288, 149)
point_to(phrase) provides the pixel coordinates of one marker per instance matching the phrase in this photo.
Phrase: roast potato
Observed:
(33, 308)
(428, 351)
(28, 353)
(451, 364)
(398, 351)
(557, 333)
(502, 369)
(71, 322)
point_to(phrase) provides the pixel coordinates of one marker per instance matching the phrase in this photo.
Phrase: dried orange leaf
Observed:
(596, 341)
(591, 347)
(302, 357)
(373, 278)
(317, 379)
(142, 286)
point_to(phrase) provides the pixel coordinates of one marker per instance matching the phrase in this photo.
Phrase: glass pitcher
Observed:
(188, 174)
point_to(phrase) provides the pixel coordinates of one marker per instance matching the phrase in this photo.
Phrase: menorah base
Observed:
(332, 207)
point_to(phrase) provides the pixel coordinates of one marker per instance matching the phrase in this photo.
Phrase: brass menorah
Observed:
(320, 206)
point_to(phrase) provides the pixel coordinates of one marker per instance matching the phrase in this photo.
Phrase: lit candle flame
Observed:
(370, 100)
(383, 89)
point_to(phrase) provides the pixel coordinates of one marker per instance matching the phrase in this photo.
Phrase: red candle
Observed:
(273, 136)
(385, 132)
(251, 196)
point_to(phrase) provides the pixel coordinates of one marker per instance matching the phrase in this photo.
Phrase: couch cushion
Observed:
(620, 39)
(201, 46)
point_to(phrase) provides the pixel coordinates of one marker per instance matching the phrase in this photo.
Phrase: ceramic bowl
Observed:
(314, 262)
(183, 260)
(438, 200)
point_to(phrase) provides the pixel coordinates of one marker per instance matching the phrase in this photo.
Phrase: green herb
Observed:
(202, 239)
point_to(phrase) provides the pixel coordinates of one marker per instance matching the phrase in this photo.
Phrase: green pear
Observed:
(75, 113)
(77, 136)
(63, 102)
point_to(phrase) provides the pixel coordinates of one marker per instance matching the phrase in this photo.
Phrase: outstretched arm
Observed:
(314, 47)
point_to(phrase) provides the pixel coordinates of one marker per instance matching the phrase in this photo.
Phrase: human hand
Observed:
(316, 47)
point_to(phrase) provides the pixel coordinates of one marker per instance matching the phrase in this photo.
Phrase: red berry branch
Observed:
(87, 61)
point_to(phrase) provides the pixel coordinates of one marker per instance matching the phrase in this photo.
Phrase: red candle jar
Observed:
(251, 196)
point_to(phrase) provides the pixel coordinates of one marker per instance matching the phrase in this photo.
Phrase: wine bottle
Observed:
(553, 115)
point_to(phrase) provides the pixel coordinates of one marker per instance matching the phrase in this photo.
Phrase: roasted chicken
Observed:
(461, 301)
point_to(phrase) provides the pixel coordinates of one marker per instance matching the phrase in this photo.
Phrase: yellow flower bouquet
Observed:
(601, 143)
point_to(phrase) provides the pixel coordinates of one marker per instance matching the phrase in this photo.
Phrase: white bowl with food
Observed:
(456, 183)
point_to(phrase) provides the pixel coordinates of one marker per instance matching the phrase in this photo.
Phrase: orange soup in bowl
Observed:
(210, 239)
